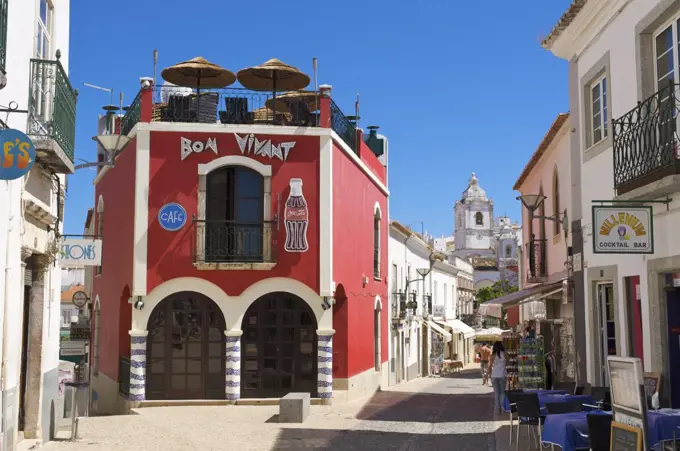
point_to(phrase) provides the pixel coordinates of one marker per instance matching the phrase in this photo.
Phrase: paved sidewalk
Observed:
(451, 413)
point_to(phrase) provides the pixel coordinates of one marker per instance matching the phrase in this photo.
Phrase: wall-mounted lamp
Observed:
(139, 304)
(532, 201)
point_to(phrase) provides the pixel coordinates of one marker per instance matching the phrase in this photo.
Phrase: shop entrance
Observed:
(607, 323)
(279, 347)
(186, 349)
(673, 304)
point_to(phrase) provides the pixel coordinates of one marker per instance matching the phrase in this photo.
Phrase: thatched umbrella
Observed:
(274, 76)
(198, 73)
(284, 100)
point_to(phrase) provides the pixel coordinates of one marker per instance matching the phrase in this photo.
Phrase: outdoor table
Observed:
(544, 398)
(568, 430)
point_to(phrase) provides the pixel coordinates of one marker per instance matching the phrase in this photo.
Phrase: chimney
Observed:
(374, 143)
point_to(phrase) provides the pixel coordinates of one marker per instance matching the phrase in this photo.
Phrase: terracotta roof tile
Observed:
(547, 139)
(564, 22)
(67, 295)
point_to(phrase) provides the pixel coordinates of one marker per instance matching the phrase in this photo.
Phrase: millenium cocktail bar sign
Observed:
(623, 230)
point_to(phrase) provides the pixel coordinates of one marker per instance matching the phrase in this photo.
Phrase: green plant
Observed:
(498, 289)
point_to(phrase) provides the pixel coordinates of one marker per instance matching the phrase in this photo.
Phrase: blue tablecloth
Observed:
(563, 429)
(544, 398)
(662, 424)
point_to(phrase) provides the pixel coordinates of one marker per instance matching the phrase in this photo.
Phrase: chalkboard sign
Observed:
(625, 438)
(651, 383)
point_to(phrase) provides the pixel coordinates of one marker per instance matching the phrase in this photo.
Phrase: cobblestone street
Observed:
(424, 414)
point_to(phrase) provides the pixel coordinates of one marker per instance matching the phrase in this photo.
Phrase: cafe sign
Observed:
(623, 230)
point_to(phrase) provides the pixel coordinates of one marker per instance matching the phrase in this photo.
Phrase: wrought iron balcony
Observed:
(399, 306)
(343, 127)
(230, 242)
(537, 269)
(3, 34)
(52, 114)
(646, 141)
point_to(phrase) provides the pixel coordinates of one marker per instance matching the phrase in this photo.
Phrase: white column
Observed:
(232, 381)
(325, 364)
(138, 365)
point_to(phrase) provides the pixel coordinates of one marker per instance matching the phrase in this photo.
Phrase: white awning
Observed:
(447, 336)
(459, 327)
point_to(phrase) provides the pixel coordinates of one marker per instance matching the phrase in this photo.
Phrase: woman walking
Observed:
(498, 375)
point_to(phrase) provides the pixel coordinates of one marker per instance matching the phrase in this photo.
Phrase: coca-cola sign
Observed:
(296, 218)
(249, 144)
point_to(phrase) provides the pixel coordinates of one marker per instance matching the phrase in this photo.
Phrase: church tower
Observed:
(474, 222)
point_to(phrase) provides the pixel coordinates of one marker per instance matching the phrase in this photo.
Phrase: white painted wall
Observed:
(15, 232)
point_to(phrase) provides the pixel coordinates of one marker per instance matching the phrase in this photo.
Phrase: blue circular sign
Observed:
(172, 217)
(17, 154)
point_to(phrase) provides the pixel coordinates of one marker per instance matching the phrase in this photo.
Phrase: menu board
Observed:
(625, 384)
(625, 438)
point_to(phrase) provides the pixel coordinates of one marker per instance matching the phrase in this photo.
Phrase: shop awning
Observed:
(447, 336)
(490, 333)
(535, 293)
(459, 327)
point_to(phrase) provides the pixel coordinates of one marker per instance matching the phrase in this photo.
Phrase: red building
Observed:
(240, 260)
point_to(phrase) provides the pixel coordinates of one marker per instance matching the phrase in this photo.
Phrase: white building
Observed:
(491, 243)
(623, 73)
(31, 212)
(422, 307)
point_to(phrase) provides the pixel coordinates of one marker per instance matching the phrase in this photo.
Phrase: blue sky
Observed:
(456, 86)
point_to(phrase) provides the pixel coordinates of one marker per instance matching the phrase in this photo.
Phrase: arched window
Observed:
(100, 230)
(376, 241)
(95, 338)
(234, 227)
(556, 202)
(377, 359)
(508, 251)
(479, 218)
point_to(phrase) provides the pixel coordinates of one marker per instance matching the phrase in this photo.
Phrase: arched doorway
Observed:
(186, 349)
(278, 348)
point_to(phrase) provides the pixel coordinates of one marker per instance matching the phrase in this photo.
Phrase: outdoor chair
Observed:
(599, 431)
(236, 111)
(529, 415)
(602, 397)
(512, 402)
(300, 113)
(563, 407)
(179, 110)
(579, 389)
(569, 387)
(206, 109)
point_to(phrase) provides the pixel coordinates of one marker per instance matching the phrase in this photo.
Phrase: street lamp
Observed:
(532, 201)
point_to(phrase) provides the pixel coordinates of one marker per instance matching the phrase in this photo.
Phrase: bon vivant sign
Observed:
(623, 230)
(80, 252)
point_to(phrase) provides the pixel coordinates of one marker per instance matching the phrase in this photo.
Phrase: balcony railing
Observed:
(646, 142)
(52, 104)
(132, 115)
(343, 127)
(398, 306)
(537, 268)
(124, 377)
(3, 34)
(220, 241)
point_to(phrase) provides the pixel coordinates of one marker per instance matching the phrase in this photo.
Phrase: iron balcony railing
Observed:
(3, 34)
(132, 115)
(124, 377)
(52, 104)
(645, 141)
(219, 241)
(343, 127)
(537, 252)
(398, 306)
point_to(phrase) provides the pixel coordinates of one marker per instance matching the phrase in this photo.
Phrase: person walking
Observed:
(484, 355)
(498, 376)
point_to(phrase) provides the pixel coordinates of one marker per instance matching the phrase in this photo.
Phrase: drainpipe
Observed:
(5, 341)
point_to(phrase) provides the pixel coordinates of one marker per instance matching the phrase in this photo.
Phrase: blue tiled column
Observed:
(233, 365)
(138, 365)
(325, 364)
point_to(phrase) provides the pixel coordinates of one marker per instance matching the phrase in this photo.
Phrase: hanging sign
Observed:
(80, 252)
(80, 299)
(17, 154)
(623, 230)
(172, 217)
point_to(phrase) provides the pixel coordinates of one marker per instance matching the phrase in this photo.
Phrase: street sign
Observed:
(623, 230)
(17, 154)
(80, 299)
(80, 252)
(172, 217)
